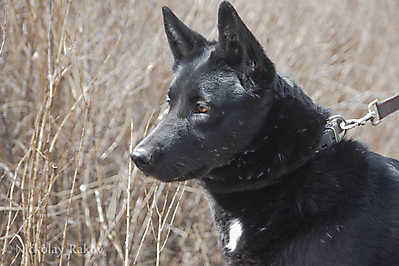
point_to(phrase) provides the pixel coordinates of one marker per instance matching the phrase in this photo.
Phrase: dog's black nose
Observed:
(141, 157)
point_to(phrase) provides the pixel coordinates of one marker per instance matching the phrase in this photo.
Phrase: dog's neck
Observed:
(287, 141)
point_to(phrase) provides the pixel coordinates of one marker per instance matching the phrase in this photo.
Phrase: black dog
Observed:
(251, 137)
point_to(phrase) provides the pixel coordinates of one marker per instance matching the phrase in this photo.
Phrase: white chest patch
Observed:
(235, 232)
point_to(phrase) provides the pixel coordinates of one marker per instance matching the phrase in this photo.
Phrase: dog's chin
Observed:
(176, 177)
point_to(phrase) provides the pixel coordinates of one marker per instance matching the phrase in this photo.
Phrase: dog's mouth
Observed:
(176, 176)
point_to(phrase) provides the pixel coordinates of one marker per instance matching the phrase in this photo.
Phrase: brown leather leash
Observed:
(386, 107)
(337, 127)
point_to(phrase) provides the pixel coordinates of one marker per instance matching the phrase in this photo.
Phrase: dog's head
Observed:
(218, 98)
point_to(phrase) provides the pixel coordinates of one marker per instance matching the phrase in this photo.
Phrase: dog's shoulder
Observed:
(377, 166)
(351, 161)
(369, 180)
(390, 165)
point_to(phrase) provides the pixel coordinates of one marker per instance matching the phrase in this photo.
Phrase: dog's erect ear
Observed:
(182, 40)
(240, 48)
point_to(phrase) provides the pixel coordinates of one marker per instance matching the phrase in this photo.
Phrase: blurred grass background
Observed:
(82, 81)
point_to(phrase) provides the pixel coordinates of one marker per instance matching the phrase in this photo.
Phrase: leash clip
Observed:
(371, 116)
(337, 127)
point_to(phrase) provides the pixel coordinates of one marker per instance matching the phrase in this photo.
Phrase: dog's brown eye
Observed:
(202, 107)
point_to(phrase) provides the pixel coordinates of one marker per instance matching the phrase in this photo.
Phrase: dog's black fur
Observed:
(250, 136)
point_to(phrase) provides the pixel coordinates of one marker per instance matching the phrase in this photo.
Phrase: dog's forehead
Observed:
(201, 74)
(206, 82)
(189, 68)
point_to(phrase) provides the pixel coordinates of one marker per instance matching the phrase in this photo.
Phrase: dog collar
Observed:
(264, 179)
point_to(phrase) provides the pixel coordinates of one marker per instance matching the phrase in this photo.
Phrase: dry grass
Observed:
(81, 83)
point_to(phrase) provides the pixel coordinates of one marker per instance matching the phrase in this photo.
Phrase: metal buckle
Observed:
(335, 124)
